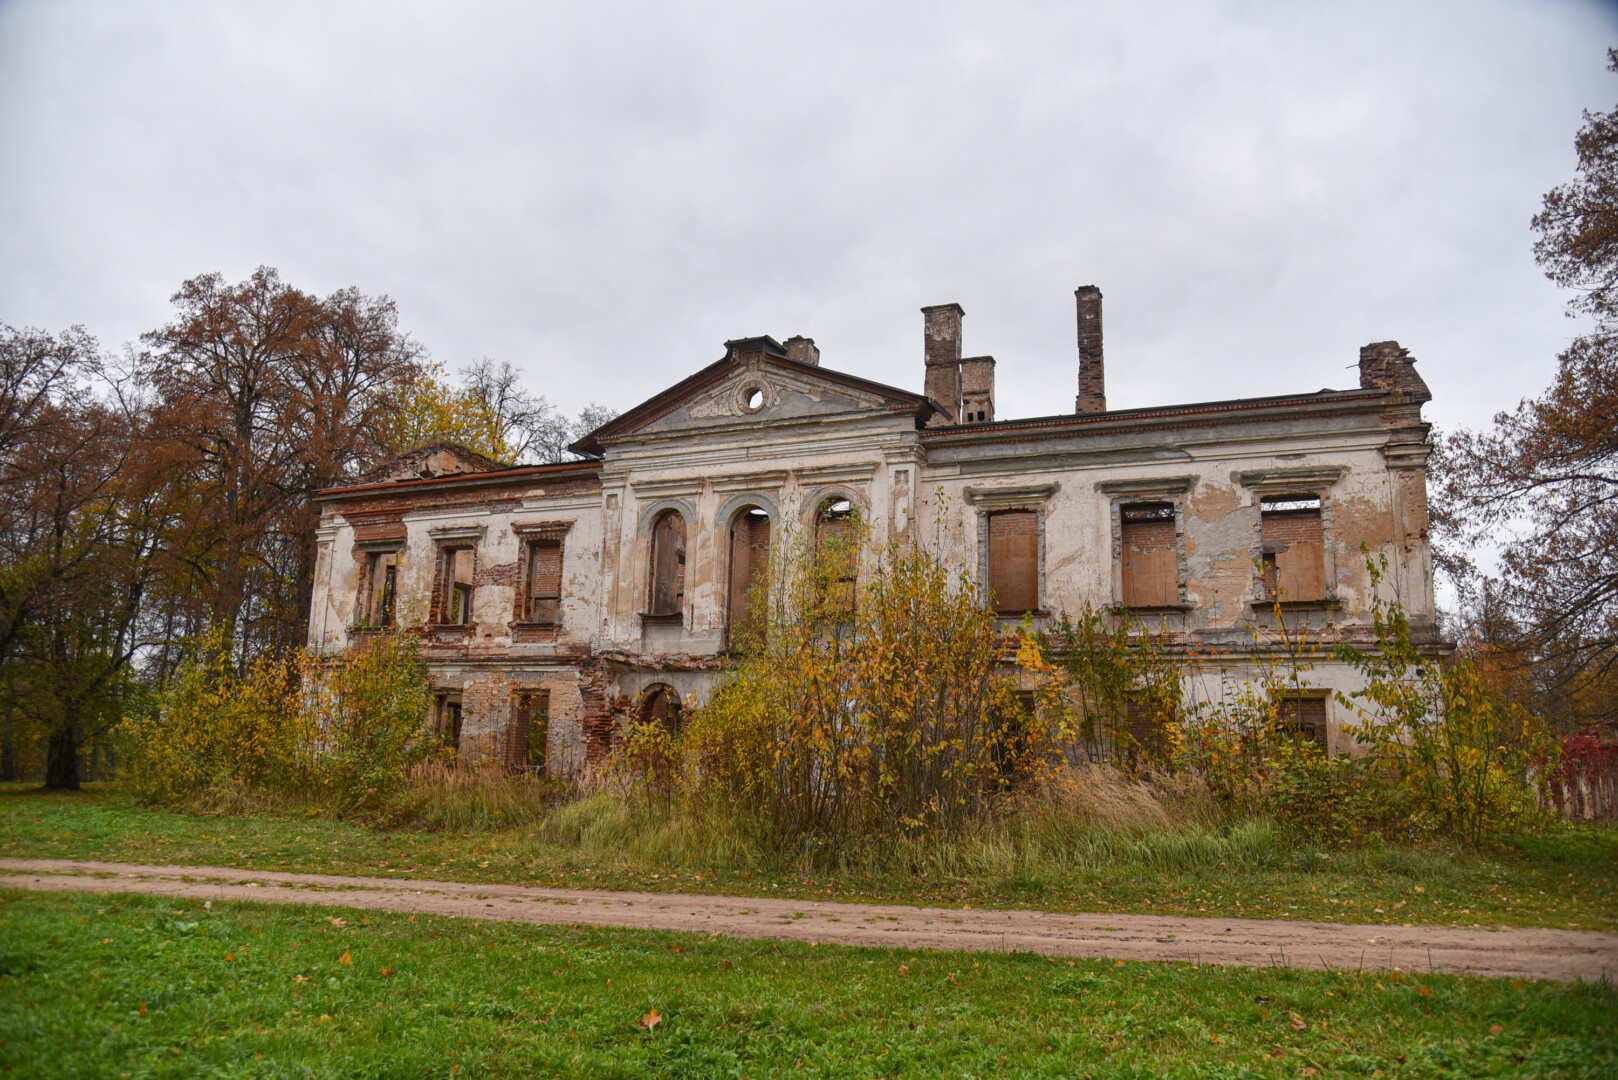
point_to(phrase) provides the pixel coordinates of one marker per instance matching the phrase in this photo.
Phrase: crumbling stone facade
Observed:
(558, 599)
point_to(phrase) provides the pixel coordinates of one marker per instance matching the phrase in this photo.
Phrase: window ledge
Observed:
(667, 617)
(1158, 609)
(536, 626)
(1297, 605)
(463, 629)
(1038, 613)
(358, 631)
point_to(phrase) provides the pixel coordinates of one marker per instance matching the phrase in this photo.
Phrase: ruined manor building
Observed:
(553, 601)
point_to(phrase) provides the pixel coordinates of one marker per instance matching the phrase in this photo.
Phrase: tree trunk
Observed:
(62, 759)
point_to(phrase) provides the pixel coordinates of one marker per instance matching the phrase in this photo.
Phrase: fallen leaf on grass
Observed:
(230, 956)
(142, 1010)
(346, 958)
(1425, 991)
(339, 923)
(649, 1021)
(1496, 1029)
(1298, 1025)
(904, 969)
(386, 972)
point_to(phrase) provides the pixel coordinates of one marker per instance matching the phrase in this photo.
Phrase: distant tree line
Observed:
(149, 498)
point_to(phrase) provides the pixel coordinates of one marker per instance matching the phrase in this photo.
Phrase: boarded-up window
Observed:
(1302, 718)
(749, 552)
(544, 579)
(447, 719)
(668, 564)
(1151, 565)
(1014, 560)
(837, 557)
(529, 730)
(455, 608)
(381, 583)
(1294, 548)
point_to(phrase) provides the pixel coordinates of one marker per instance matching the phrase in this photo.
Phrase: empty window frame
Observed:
(528, 732)
(455, 601)
(1303, 719)
(542, 577)
(1294, 556)
(1149, 555)
(662, 706)
(837, 555)
(1014, 561)
(447, 718)
(379, 586)
(668, 564)
(749, 554)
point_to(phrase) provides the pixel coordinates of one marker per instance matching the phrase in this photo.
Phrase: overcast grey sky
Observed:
(602, 193)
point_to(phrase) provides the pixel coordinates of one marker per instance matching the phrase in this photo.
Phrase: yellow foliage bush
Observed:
(339, 731)
(856, 712)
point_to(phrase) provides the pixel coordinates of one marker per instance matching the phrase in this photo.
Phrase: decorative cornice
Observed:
(1012, 496)
(850, 473)
(457, 532)
(1317, 477)
(1407, 455)
(1148, 485)
(541, 528)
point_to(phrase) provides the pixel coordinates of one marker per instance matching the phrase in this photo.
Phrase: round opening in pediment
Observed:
(752, 397)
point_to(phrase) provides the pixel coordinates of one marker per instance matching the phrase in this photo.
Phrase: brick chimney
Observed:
(977, 390)
(943, 355)
(802, 349)
(1092, 373)
(1386, 366)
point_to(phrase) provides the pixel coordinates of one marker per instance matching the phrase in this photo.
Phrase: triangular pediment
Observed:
(755, 383)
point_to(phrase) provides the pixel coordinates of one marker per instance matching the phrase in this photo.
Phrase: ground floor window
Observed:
(447, 719)
(529, 731)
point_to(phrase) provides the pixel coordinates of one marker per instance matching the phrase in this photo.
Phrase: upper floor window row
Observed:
(455, 581)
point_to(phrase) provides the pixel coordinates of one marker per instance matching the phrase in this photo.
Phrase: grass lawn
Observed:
(1567, 880)
(95, 986)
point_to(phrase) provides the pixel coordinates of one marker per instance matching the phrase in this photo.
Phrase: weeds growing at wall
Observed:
(854, 715)
(342, 733)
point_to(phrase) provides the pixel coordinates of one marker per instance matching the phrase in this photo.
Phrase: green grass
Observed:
(1566, 880)
(94, 986)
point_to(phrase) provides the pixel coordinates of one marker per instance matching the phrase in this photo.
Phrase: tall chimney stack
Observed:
(1092, 373)
(943, 355)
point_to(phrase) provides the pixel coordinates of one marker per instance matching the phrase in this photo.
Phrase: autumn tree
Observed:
(75, 551)
(1545, 475)
(260, 395)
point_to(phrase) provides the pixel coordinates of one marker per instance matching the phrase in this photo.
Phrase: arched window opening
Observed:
(836, 554)
(749, 554)
(661, 705)
(668, 564)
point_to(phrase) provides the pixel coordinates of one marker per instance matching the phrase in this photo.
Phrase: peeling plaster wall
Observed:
(716, 454)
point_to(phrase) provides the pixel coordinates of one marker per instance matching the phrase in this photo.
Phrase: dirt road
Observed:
(1526, 954)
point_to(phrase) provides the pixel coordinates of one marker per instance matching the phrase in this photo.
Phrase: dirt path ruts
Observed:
(1524, 953)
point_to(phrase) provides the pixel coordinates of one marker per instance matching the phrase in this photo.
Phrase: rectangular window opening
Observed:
(447, 719)
(1294, 549)
(1014, 561)
(1303, 719)
(530, 729)
(381, 586)
(456, 609)
(1150, 555)
(544, 582)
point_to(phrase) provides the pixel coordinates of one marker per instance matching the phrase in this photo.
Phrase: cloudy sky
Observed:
(603, 193)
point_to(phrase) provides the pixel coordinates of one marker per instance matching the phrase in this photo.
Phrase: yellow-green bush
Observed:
(339, 731)
(854, 714)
